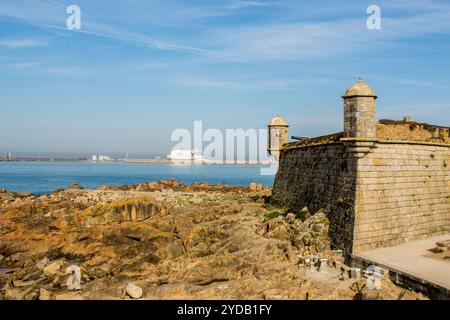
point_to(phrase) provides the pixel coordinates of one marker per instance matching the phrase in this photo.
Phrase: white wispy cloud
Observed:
(67, 71)
(159, 64)
(311, 40)
(136, 38)
(23, 43)
(238, 4)
(247, 41)
(46, 67)
(22, 65)
(247, 83)
(51, 15)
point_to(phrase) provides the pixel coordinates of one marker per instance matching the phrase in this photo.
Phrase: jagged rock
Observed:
(16, 257)
(75, 186)
(279, 229)
(99, 272)
(56, 213)
(439, 249)
(52, 268)
(200, 250)
(369, 294)
(175, 249)
(255, 187)
(134, 209)
(310, 235)
(46, 295)
(6, 197)
(197, 235)
(23, 194)
(14, 294)
(134, 291)
(21, 284)
(42, 264)
(214, 249)
(344, 273)
(291, 218)
(262, 229)
(304, 214)
(196, 200)
(444, 244)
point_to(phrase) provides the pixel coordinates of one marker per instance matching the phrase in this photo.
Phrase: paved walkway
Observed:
(410, 258)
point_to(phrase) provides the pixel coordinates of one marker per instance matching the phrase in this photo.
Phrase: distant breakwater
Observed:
(42, 159)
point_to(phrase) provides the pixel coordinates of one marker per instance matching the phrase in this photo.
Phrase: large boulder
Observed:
(134, 291)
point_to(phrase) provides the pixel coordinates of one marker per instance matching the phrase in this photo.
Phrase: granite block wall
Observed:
(317, 177)
(391, 193)
(402, 194)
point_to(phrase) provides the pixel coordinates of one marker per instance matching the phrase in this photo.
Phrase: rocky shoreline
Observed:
(168, 240)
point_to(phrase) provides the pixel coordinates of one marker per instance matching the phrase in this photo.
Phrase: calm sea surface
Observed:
(45, 177)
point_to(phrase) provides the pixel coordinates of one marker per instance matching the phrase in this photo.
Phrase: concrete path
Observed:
(410, 258)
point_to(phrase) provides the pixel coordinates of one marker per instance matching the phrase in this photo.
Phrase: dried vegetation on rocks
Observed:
(166, 240)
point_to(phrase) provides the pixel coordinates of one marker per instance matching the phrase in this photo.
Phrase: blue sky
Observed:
(137, 70)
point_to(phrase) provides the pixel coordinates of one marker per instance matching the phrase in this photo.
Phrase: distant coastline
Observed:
(206, 162)
(140, 161)
(42, 159)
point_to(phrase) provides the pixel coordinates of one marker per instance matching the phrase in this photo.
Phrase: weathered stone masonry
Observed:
(402, 194)
(322, 176)
(376, 192)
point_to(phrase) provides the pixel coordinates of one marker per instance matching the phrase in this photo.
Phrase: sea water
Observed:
(45, 177)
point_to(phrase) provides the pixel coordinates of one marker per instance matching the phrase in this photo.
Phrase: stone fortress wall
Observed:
(320, 176)
(381, 184)
(402, 194)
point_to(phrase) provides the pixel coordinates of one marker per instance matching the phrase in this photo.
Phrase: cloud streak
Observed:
(312, 40)
(262, 40)
(239, 4)
(135, 38)
(247, 84)
(22, 65)
(23, 43)
(43, 67)
(51, 15)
